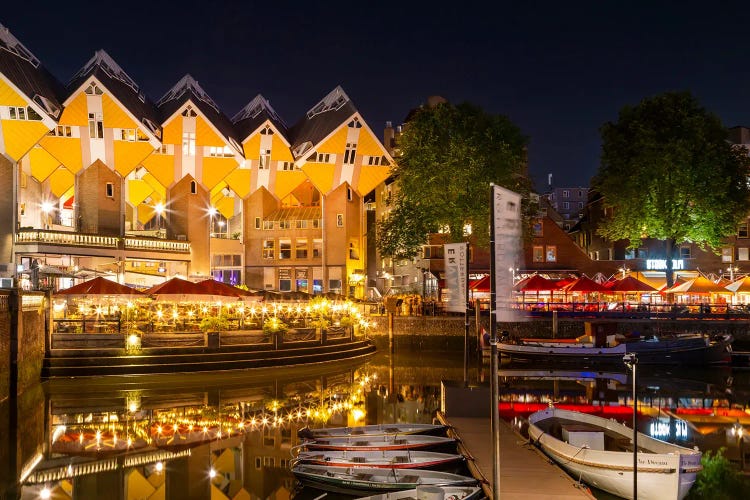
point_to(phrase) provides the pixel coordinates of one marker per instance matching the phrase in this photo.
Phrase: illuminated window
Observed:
(350, 153)
(188, 144)
(339, 220)
(301, 224)
(127, 134)
(62, 131)
(96, 126)
(301, 248)
(285, 249)
(317, 248)
(538, 254)
(551, 255)
(268, 249)
(265, 159)
(743, 253)
(267, 225)
(726, 254)
(742, 231)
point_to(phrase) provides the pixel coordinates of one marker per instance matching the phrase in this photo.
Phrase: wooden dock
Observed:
(525, 472)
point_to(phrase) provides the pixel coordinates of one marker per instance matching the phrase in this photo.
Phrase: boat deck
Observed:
(612, 440)
(525, 472)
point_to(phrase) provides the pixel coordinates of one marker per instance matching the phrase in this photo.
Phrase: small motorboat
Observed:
(433, 493)
(375, 429)
(406, 459)
(599, 451)
(367, 480)
(383, 442)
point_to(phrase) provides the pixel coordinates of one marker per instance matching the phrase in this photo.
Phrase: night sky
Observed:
(559, 70)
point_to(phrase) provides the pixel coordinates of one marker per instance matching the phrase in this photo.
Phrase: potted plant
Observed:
(211, 326)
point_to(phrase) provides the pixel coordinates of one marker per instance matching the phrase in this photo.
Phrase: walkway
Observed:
(525, 472)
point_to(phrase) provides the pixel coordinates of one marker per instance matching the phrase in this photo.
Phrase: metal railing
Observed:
(68, 238)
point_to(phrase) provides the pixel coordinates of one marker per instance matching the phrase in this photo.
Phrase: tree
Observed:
(447, 157)
(668, 172)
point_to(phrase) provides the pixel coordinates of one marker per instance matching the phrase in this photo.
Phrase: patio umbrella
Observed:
(741, 285)
(180, 290)
(480, 285)
(629, 284)
(699, 285)
(101, 287)
(584, 285)
(217, 288)
(535, 283)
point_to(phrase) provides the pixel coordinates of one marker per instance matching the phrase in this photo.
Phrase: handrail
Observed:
(70, 238)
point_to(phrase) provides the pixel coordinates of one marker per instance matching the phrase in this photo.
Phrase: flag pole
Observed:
(494, 409)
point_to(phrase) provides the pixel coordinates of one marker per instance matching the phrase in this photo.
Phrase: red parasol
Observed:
(630, 284)
(102, 287)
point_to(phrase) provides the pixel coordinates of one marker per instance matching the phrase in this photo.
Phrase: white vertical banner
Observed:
(456, 276)
(507, 231)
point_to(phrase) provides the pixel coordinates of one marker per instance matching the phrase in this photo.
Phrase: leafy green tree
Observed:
(668, 172)
(448, 155)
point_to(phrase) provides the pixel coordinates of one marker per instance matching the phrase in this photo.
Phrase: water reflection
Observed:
(230, 435)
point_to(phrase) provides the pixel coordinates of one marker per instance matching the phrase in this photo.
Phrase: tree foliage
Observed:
(719, 479)
(448, 156)
(669, 173)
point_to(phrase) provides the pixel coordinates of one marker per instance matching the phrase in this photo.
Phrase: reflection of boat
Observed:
(372, 430)
(599, 451)
(381, 442)
(432, 492)
(365, 480)
(385, 459)
(693, 349)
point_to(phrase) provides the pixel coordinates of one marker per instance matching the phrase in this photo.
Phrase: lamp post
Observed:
(159, 209)
(631, 360)
(211, 214)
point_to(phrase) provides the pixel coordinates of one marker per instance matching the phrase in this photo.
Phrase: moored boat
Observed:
(685, 349)
(382, 442)
(368, 480)
(432, 492)
(374, 429)
(406, 459)
(599, 452)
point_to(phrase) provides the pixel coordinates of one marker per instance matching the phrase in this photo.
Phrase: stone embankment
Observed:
(440, 332)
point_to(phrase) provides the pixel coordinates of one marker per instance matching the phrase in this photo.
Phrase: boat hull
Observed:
(450, 492)
(374, 430)
(366, 481)
(384, 443)
(667, 473)
(382, 459)
(664, 352)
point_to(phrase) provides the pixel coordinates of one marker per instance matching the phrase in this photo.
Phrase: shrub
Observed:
(214, 324)
(274, 325)
(719, 479)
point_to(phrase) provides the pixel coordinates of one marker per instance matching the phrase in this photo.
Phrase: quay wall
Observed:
(441, 332)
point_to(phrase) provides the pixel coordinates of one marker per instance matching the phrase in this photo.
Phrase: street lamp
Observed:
(732, 270)
(631, 360)
(159, 209)
(47, 208)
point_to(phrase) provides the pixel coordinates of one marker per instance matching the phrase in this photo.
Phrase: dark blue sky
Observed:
(557, 69)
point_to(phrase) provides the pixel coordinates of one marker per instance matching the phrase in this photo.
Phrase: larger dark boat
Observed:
(662, 349)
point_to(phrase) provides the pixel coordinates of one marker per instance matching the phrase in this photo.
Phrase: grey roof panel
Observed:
(122, 87)
(22, 68)
(254, 114)
(322, 119)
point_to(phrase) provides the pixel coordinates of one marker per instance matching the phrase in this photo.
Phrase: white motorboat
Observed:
(375, 429)
(405, 459)
(432, 493)
(369, 480)
(599, 452)
(383, 442)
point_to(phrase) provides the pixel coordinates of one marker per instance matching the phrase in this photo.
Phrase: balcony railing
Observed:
(157, 244)
(65, 238)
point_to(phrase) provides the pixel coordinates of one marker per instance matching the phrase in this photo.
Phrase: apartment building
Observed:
(100, 179)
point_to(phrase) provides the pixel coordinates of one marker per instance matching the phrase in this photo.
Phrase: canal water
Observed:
(229, 435)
